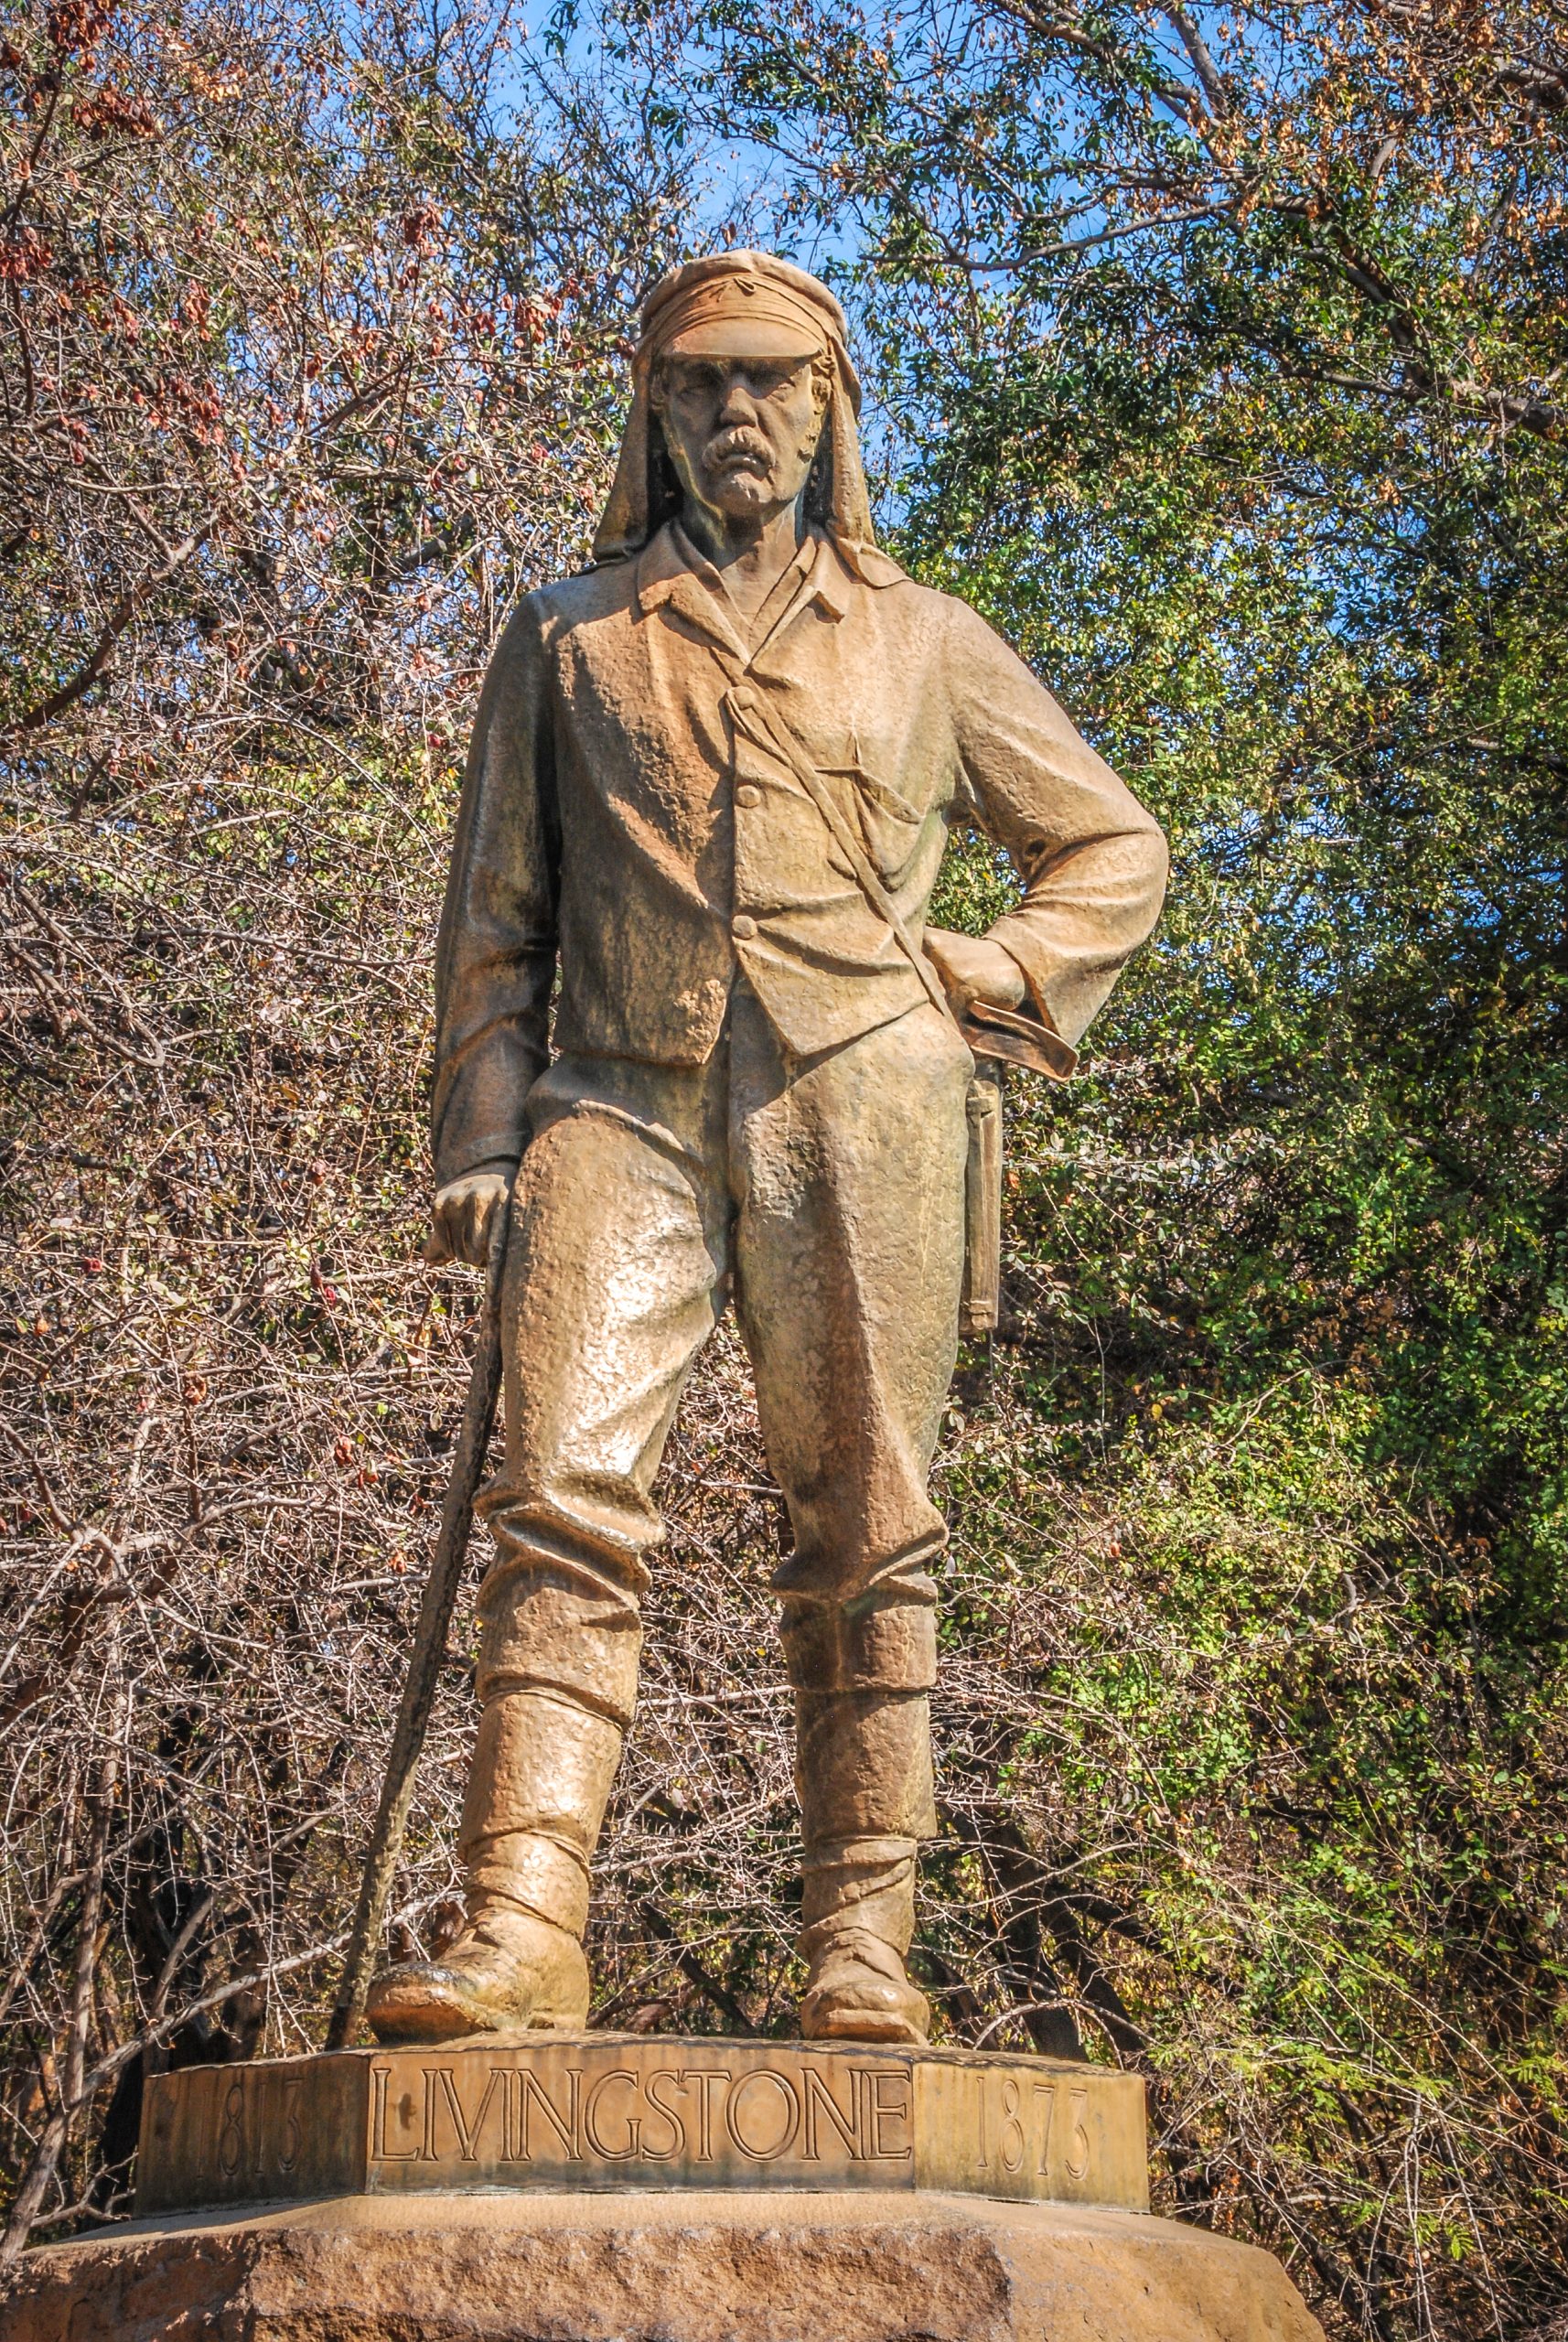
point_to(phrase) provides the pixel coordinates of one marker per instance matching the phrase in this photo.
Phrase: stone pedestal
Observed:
(623, 2110)
(845, 2267)
(606, 2188)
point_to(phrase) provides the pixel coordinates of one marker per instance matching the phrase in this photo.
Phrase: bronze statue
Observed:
(709, 785)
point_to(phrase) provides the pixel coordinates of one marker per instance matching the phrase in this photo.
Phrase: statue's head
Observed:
(740, 426)
(744, 398)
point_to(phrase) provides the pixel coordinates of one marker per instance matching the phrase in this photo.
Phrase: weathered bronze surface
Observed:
(606, 2110)
(710, 784)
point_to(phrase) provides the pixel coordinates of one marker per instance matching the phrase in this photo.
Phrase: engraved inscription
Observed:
(564, 2122)
(515, 2112)
(1078, 2153)
(657, 2089)
(606, 2110)
(628, 2141)
(842, 2122)
(257, 2136)
(231, 2130)
(1045, 2109)
(889, 2116)
(703, 2080)
(760, 2135)
(381, 2148)
(292, 2135)
(1017, 2129)
(468, 2133)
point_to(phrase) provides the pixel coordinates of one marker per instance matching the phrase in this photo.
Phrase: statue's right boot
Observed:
(508, 1972)
(542, 1770)
(864, 1778)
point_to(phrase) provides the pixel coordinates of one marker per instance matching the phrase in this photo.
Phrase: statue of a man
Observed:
(709, 785)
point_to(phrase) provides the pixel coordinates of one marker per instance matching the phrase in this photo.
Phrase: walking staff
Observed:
(424, 1659)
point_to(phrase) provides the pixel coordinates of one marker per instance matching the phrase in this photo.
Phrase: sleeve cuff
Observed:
(492, 1150)
(1015, 940)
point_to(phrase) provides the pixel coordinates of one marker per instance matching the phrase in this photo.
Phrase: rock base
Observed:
(843, 2267)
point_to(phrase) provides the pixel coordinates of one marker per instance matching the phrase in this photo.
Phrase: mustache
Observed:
(739, 443)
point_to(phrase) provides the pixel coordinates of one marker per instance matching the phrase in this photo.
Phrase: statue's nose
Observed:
(737, 405)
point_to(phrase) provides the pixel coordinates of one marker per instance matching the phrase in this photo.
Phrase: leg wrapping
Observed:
(882, 1641)
(864, 1778)
(543, 1772)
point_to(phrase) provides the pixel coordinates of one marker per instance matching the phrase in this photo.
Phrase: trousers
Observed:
(824, 1196)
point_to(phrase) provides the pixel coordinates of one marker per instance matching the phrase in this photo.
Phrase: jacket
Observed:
(618, 825)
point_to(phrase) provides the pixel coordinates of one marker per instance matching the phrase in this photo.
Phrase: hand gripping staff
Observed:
(428, 1650)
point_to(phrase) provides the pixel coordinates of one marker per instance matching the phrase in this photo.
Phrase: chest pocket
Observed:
(889, 825)
(884, 820)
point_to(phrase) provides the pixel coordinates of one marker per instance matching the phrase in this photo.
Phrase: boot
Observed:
(542, 1770)
(857, 1988)
(508, 1972)
(863, 1776)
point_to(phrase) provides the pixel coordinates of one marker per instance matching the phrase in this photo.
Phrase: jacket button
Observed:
(748, 794)
(743, 928)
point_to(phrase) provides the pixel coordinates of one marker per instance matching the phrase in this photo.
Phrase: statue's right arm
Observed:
(495, 956)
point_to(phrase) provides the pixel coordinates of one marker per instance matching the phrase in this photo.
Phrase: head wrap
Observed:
(735, 304)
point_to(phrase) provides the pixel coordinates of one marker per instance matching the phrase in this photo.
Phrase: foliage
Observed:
(1219, 362)
(309, 366)
(304, 369)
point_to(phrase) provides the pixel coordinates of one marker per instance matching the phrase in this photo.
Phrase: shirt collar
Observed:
(782, 594)
(669, 564)
(829, 581)
(660, 569)
(665, 574)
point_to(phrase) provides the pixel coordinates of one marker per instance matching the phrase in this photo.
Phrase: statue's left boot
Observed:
(863, 1776)
(858, 1988)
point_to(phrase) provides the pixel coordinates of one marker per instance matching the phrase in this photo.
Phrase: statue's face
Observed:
(741, 431)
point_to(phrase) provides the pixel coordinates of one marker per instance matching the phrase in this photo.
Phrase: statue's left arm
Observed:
(1092, 859)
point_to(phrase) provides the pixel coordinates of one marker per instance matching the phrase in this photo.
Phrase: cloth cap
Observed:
(737, 305)
(743, 304)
